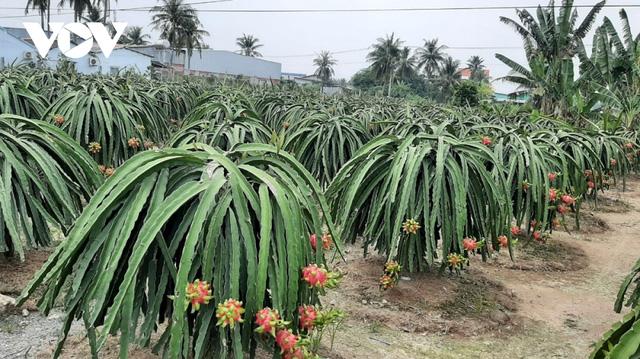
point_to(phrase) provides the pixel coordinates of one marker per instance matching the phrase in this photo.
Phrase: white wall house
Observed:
(14, 51)
(209, 62)
(15, 44)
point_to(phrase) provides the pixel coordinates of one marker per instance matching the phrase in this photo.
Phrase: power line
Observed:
(469, 8)
(450, 8)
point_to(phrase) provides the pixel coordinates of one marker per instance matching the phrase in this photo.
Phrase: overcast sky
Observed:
(293, 38)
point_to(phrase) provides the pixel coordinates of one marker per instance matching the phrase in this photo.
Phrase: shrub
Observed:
(239, 221)
(44, 176)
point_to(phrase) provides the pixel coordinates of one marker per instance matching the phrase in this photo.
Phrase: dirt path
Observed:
(553, 302)
(561, 301)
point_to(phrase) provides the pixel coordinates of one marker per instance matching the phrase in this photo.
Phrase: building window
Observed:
(114, 70)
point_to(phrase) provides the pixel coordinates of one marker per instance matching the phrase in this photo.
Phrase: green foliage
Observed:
(44, 177)
(238, 220)
(467, 93)
(623, 339)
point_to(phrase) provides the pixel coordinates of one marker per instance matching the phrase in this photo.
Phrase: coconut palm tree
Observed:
(449, 76)
(249, 45)
(41, 6)
(94, 14)
(324, 66)
(79, 7)
(192, 37)
(430, 56)
(172, 18)
(406, 68)
(384, 59)
(550, 40)
(475, 64)
(134, 36)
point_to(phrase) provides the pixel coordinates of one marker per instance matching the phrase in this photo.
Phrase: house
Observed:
(212, 63)
(516, 97)
(17, 48)
(14, 50)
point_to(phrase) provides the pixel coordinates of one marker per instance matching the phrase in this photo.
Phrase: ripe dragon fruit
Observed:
(315, 276)
(469, 244)
(563, 209)
(515, 230)
(267, 320)
(537, 235)
(286, 340)
(553, 194)
(591, 185)
(229, 313)
(504, 241)
(327, 241)
(613, 162)
(486, 140)
(567, 199)
(308, 315)
(197, 293)
(295, 354)
(552, 176)
(411, 226)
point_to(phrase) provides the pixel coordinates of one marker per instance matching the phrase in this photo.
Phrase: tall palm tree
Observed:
(430, 56)
(94, 14)
(134, 36)
(192, 37)
(324, 66)
(172, 18)
(107, 8)
(477, 68)
(406, 68)
(249, 45)
(41, 6)
(449, 75)
(550, 40)
(79, 7)
(384, 59)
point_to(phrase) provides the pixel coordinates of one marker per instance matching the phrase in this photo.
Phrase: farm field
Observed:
(550, 303)
(410, 212)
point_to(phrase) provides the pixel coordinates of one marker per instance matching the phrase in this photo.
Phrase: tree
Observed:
(550, 43)
(324, 66)
(249, 45)
(449, 76)
(477, 68)
(384, 59)
(430, 56)
(192, 37)
(467, 93)
(41, 6)
(406, 68)
(134, 36)
(94, 14)
(172, 18)
(79, 7)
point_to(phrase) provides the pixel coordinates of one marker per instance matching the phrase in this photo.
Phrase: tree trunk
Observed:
(107, 3)
(48, 15)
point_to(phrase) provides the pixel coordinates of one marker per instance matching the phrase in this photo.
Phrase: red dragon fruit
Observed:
(315, 276)
(308, 315)
(469, 244)
(486, 140)
(267, 320)
(567, 199)
(504, 241)
(286, 340)
(515, 230)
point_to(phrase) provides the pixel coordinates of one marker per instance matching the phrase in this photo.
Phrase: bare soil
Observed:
(554, 301)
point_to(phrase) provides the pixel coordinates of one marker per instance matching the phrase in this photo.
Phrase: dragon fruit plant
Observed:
(198, 238)
(45, 177)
